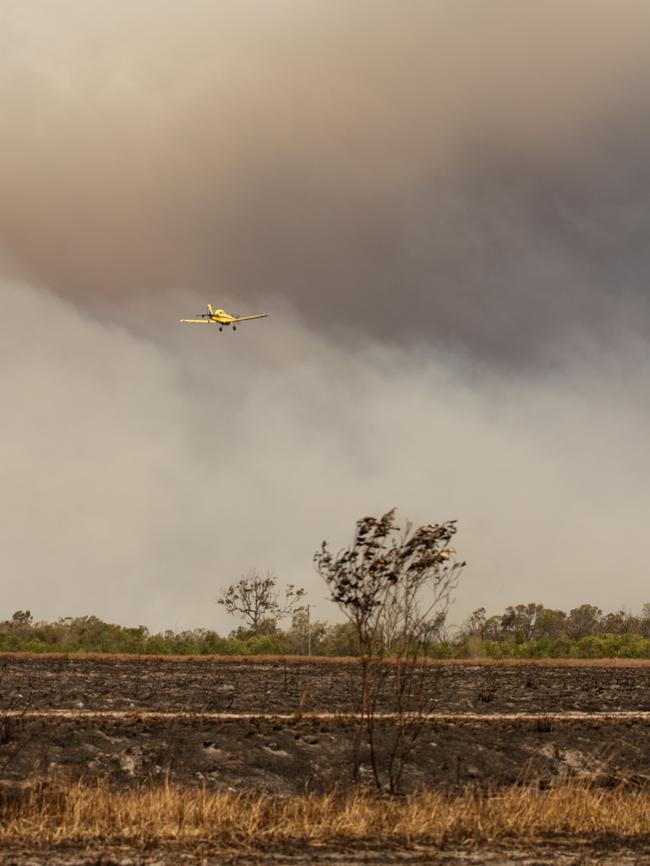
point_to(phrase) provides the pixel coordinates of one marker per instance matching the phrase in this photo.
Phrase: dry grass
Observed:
(50, 814)
(326, 660)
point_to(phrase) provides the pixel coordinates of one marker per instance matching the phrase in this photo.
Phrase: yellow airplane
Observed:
(221, 318)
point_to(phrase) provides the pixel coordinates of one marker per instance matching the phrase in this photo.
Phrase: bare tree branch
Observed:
(256, 599)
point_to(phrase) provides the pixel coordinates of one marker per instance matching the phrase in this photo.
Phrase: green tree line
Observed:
(521, 631)
(21, 633)
(534, 631)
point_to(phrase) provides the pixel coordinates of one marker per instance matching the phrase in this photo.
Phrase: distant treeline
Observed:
(535, 631)
(22, 633)
(521, 631)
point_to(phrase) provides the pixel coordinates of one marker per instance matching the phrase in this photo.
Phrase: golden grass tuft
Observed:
(82, 813)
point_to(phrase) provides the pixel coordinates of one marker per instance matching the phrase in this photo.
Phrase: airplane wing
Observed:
(248, 318)
(196, 321)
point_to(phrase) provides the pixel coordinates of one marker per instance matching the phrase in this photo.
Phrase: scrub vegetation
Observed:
(394, 587)
(505, 636)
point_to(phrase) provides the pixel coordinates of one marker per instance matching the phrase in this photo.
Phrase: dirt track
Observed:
(440, 718)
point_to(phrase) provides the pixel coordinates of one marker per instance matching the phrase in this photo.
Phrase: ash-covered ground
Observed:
(286, 727)
(276, 725)
(287, 686)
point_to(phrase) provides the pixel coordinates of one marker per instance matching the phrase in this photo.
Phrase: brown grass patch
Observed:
(47, 814)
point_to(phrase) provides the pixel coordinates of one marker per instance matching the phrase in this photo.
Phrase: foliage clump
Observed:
(394, 586)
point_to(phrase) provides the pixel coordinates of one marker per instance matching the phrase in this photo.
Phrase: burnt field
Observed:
(292, 755)
(281, 725)
(286, 728)
(319, 685)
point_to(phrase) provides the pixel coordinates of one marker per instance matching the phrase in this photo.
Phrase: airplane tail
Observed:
(210, 309)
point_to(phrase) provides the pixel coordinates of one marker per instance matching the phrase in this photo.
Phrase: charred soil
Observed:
(166, 728)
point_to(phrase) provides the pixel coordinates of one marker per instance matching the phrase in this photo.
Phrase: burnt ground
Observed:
(298, 754)
(294, 755)
(162, 729)
(255, 747)
(574, 852)
(266, 687)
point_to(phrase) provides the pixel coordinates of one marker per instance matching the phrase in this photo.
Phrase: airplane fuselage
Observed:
(221, 318)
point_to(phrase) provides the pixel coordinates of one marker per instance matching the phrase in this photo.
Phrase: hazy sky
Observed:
(444, 208)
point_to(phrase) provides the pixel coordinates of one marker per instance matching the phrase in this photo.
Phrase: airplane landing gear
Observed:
(220, 328)
(234, 327)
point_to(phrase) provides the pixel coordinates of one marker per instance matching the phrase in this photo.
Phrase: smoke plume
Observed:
(443, 208)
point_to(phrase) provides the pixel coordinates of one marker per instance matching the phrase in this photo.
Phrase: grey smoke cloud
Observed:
(458, 172)
(141, 474)
(443, 206)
